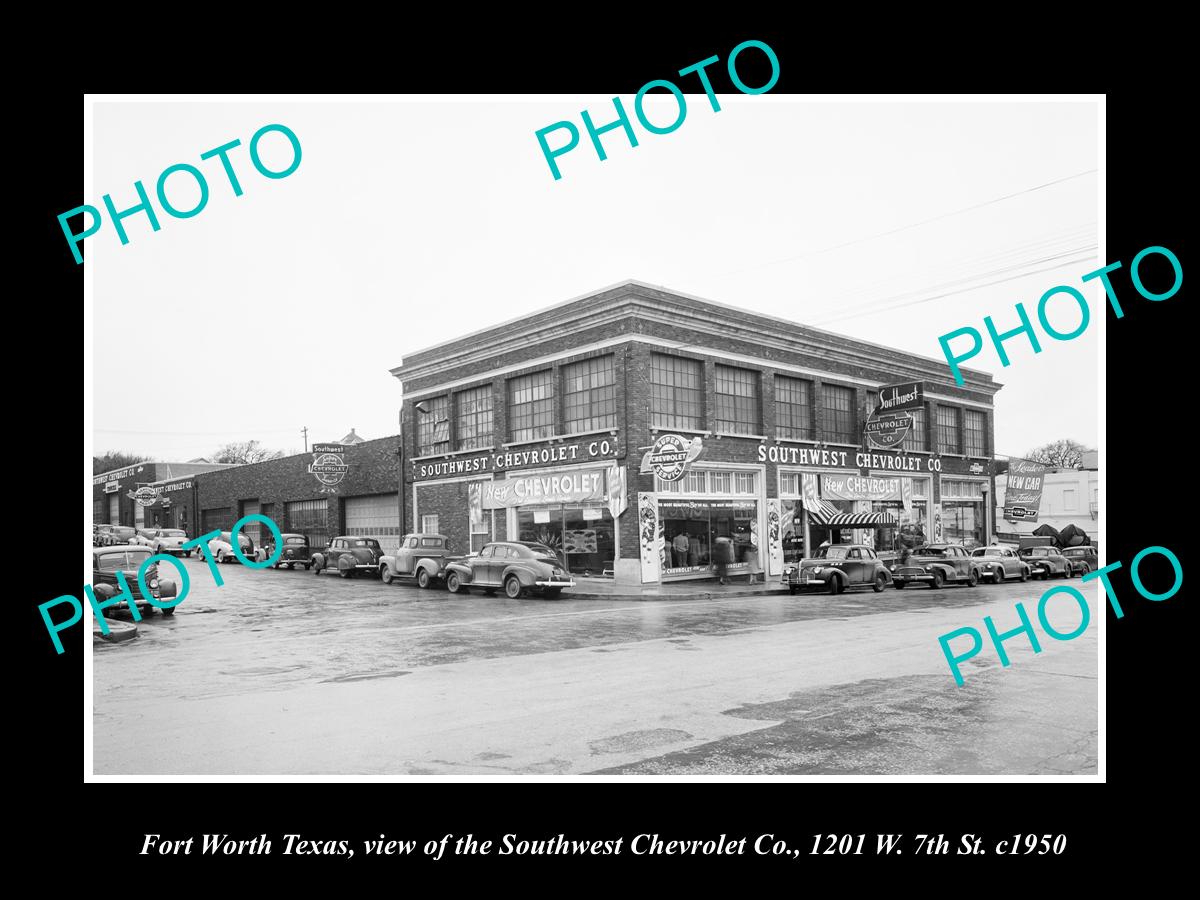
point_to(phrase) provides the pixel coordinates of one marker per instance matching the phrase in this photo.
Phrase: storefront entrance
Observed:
(582, 535)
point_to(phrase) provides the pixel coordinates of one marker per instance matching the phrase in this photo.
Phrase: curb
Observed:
(699, 595)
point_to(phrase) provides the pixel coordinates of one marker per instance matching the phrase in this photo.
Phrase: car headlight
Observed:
(816, 570)
(929, 568)
(153, 583)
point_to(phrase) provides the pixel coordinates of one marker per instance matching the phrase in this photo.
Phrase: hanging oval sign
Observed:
(888, 430)
(668, 457)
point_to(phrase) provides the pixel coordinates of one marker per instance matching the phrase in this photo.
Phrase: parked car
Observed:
(102, 535)
(1082, 559)
(143, 537)
(937, 565)
(836, 568)
(1000, 563)
(515, 566)
(348, 554)
(127, 559)
(170, 540)
(221, 547)
(295, 552)
(1046, 561)
(420, 557)
(122, 534)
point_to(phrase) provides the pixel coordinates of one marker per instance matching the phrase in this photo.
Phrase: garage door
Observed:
(253, 530)
(114, 509)
(376, 516)
(309, 518)
(217, 519)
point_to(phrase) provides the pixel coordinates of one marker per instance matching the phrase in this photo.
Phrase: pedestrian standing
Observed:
(680, 545)
(722, 554)
(755, 567)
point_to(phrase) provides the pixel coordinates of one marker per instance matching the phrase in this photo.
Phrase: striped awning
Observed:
(823, 512)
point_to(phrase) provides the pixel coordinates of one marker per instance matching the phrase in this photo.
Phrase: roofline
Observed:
(735, 310)
(161, 462)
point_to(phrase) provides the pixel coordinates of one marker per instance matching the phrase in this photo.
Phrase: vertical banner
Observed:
(616, 491)
(906, 494)
(649, 537)
(475, 504)
(1023, 490)
(937, 521)
(774, 549)
(864, 536)
(808, 489)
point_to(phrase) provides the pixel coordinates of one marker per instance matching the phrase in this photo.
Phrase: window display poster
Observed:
(649, 537)
(774, 537)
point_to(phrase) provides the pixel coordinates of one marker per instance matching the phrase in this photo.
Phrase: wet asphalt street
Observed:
(284, 672)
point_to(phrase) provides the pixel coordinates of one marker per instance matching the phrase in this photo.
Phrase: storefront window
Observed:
(581, 536)
(691, 528)
(962, 521)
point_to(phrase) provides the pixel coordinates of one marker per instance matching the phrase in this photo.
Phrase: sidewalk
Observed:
(707, 589)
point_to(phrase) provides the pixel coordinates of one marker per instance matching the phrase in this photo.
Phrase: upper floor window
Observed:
(433, 427)
(589, 395)
(737, 401)
(838, 405)
(917, 438)
(793, 408)
(473, 418)
(531, 406)
(975, 423)
(676, 392)
(948, 428)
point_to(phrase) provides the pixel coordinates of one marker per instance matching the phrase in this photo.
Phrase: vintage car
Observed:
(1046, 561)
(221, 547)
(121, 534)
(937, 564)
(515, 566)
(420, 557)
(837, 567)
(348, 554)
(170, 540)
(295, 552)
(143, 537)
(127, 559)
(102, 535)
(1082, 559)
(1000, 563)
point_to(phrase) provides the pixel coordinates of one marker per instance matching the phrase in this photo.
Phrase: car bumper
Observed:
(926, 576)
(556, 583)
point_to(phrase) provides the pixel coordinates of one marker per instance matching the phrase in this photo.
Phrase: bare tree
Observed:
(1061, 454)
(116, 459)
(245, 452)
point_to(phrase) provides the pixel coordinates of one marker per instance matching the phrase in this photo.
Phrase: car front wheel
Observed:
(973, 578)
(939, 580)
(423, 578)
(385, 574)
(512, 587)
(453, 583)
(880, 582)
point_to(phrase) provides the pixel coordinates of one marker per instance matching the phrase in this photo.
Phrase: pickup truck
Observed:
(420, 557)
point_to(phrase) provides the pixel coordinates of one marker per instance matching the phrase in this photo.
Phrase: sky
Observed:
(412, 220)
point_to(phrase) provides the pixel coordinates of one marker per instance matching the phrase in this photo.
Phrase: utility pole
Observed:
(304, 431)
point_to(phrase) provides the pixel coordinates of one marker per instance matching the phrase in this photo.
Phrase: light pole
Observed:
(418, 407)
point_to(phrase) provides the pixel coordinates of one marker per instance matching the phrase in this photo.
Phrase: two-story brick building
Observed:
(634, 426)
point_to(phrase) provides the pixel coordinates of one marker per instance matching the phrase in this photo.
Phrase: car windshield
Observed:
(367, 543)
(110, 562)
(831, 553)
(295, 540)
(935, 551)
(1074, 553)
(174, 532)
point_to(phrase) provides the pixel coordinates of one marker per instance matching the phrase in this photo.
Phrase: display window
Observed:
(582, 536)
(691, 529)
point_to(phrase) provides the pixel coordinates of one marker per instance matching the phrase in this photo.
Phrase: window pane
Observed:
(676, 392)
(948, 430)
(433, 427)
(531, 406)
(976, 424)
(789, 484)
(721, 482)
(838, 403)
(429, 525)
(589, 395)
(793, 408)
(916, 440)
(474, 418)
(737, 400)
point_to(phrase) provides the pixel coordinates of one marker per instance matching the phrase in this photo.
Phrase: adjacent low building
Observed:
(148, 493)
(634, 428)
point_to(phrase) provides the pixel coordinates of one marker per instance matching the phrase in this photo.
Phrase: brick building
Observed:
(359, 497)
(632, 427)
(165, 493)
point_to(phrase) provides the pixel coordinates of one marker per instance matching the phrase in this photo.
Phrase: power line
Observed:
(937, 218)
(976, 287)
